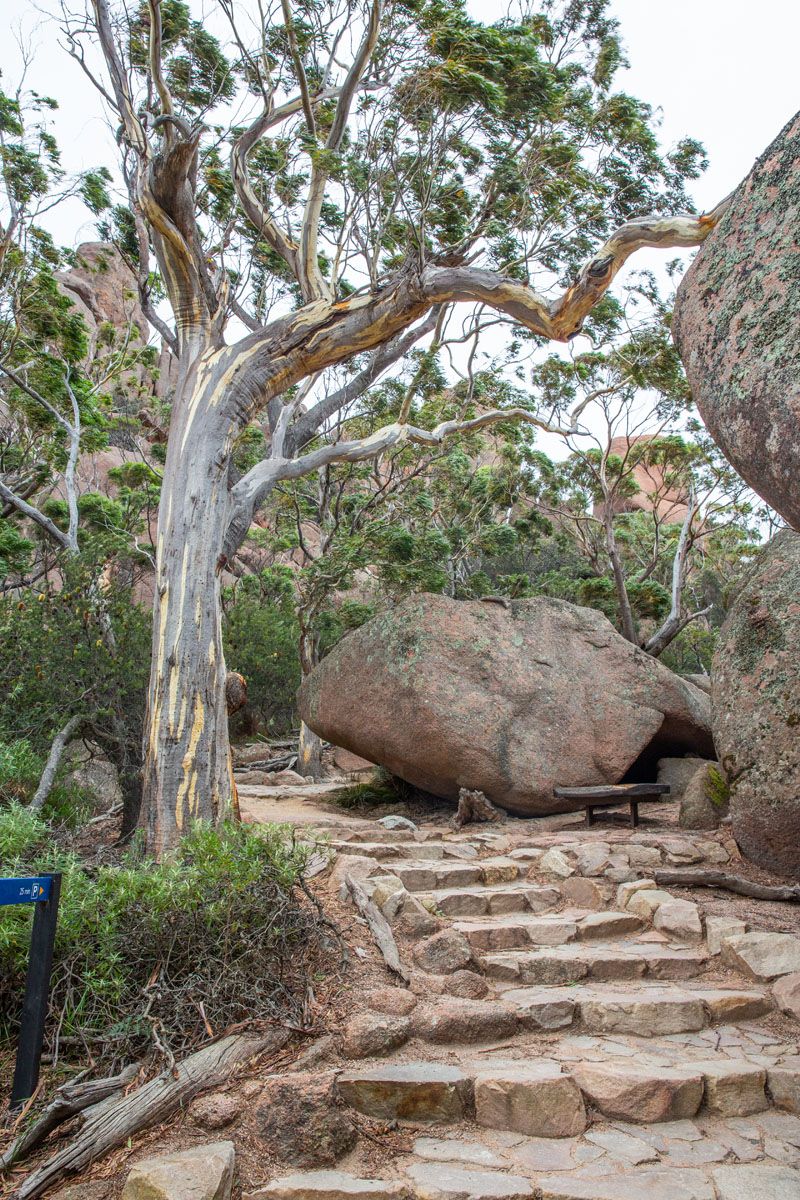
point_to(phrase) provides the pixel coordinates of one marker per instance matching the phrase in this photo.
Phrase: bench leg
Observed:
(589, 815)
(634, 814)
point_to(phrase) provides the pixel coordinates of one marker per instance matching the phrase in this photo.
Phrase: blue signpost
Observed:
(43, 891)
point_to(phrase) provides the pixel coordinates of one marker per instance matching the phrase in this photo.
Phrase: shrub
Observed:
(155, 955)
(383, 788)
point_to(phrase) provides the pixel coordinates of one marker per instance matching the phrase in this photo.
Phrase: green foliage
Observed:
(139, 944)
(260, 634)
(20, 771)
(717, 788)
(56, 662)
(384, 788)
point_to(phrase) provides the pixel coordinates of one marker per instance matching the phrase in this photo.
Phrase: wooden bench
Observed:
(610, 795)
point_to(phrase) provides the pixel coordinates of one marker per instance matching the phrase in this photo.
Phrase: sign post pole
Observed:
(37, 995)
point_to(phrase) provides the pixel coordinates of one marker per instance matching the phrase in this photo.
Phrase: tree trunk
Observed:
(626, 612)
(309, 753)
(188, 772)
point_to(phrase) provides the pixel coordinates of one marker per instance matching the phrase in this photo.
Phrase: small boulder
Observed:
(705, 801)
(678, 773)
(555, 862)
(214, 1111)
(762, 956)
(718, 928)
(646, 902)
(679, 919)
(786, 993)
(468, 985)
(408, 915)
(369, 1035)
(300, 1119)
(393, 1001)
(444, 953)
(584, 893)
(202, 1173)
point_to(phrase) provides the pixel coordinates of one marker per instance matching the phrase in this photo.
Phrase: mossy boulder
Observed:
(706, 798)
(756, 708)
(737, 327)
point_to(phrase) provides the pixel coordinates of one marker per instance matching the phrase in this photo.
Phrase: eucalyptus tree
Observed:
(644, 494)
(313, 182)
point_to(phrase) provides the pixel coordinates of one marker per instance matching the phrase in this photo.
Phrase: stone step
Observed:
(431, 876)
(409, 852)
(570, 963)
(503, 932)
(425, 1092)
(327, 1185)
(541, 1097)
(449, 1181)
(525, 930)
(741, 1181)
(644, 1011)
(493, 899)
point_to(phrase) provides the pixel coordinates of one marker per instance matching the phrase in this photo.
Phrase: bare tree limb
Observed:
(60, 742)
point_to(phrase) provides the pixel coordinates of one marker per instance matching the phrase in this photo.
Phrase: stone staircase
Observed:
(569, 1030)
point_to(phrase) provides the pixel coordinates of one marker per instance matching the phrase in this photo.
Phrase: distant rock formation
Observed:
(756, 708)
(670, 504)
(512, 701)
(737, 326)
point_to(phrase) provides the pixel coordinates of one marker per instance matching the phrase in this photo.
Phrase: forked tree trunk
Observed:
(188, 774)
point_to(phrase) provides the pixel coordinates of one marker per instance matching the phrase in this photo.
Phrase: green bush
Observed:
(383, 788)
(261, 638)
(150, 955)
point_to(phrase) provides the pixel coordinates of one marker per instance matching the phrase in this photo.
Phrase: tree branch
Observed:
(60, 742)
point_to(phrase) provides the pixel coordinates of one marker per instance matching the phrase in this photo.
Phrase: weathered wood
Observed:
(614, 793)
(379, 927)
(70, 1099)
(109, 1124)
(475, 806)
(730, 883)
(60, 742)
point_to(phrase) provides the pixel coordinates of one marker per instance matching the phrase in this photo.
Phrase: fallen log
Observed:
(69, 1100)
(110, 1123)
(379, 927)
(729, 883)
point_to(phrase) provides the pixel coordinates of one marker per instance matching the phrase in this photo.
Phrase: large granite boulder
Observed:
(737, 327)
(756, 707)
(511, 701)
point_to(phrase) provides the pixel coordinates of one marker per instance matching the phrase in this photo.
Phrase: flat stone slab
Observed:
(647, 1011)
(754, 1181)
(569, 963)
(639, 1094)
(327, 1185)
(536, 1099)
(450, 1150)
(642, 1185)
(446, 1182)
(413, 1091)
(726, 1006)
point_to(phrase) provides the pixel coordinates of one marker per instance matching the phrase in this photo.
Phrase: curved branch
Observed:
(33, 514)
(253, 488)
